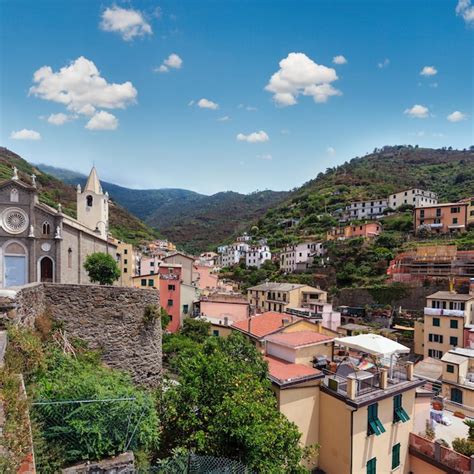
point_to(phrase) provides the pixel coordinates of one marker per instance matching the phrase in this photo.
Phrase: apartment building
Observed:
(300, 257)
(230, 255)
(128, 261)
(370, 209)
(414, 197)
(445, 316)
(256, 255)
(148, 265)
(369, 230)
(469, 211)
(361, 419)
(187, 264)
(442, 218)
(458, 380)
(280, 296)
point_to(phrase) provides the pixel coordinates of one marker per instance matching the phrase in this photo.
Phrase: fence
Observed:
(71, 431)
(194, 464)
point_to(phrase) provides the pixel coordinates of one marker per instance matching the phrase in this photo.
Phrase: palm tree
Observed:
(470, 424)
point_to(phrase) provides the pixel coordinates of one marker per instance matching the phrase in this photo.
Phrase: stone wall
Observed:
(122, 464)
(109, 318)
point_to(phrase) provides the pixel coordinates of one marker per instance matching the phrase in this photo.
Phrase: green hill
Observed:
(52, 191)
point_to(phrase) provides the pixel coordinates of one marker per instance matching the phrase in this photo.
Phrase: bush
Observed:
(463, 446)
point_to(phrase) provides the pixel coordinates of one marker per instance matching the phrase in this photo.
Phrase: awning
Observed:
(373, 344)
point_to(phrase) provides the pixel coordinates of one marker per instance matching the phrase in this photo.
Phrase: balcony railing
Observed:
(444, 312)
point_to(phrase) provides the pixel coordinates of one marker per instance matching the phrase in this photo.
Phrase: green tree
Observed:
(470, 425)
(195, 329)
(102, 268)
(165, 318)
(224, 406)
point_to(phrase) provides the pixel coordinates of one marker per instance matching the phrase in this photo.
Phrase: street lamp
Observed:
(97, 231)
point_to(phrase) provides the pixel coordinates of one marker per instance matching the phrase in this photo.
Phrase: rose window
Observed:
(15, 221)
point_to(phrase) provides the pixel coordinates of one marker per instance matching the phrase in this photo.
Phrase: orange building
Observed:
(367, 231)
(170, 293)
(442, 218)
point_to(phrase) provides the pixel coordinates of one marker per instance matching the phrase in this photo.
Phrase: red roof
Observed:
(285, 371)
(298, 338)
(264, 324)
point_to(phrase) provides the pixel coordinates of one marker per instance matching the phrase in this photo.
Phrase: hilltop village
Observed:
(392, 366)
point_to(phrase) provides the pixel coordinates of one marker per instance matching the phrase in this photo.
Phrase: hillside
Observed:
(450, 173)
(52, 191)
(194, 221)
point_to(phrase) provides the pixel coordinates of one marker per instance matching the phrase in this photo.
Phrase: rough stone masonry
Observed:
(109, 318)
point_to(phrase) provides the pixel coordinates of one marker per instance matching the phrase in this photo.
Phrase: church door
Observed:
(46, 270)
(15, 270)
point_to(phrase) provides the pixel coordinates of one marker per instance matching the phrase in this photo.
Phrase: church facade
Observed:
(41, 244)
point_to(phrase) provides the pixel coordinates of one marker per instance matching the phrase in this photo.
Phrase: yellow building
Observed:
(127, 262)
(458, 380)
(470, 211)
(147, 281)
(445, 316)
(280, 296)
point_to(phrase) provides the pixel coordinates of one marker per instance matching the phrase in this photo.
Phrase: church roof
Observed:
(93, 183)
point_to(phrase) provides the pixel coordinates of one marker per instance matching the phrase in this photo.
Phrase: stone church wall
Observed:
(109, 318)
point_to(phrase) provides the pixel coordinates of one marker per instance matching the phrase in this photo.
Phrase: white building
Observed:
(256, 255)
(300, 257)
(231, 254)
(370, 209)
(414, 197)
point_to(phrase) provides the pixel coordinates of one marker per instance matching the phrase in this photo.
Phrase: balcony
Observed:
(444, 312)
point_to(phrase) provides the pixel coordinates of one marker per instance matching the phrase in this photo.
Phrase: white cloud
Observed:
(102, 121)
(465, 9)
(340, 59)
(255, 137)
(128, 23)
(417, 111)
(429, 71)
(456, 116)
(173, 61)
(207, 104)
(80, 87)
(59, 119)
(267, 157)
(298, 74)
(331, 150)
(226, 118)
(25, 134)
(384, 63)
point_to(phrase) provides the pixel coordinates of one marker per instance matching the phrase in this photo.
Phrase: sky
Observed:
(231, 95)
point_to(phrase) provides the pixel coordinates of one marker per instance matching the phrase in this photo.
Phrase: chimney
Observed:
(285, 322)
(226, 321)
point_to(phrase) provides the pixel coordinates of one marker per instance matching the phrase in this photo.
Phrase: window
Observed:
(456, 395)
(171, 287)
(435, 321)
(435, 353)
(372, 466)
(185, 308)
(396, 456)
(450, 368)
(170, 302)
(453, 341)
(435, 338)
(455, 210)
(151, 282)
(422, 213)
(125, 270)
(89, 201)
(143, 282)
(438, 212)
(46, 228)
(125, 261)
(455, 220)
(125, 251)
(152, 264)
(374, 426)
(399, 414)
(215, 332)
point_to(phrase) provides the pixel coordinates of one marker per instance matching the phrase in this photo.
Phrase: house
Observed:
(256, 255)
(204, 277)
(470, 211)
(186, 262)
(371, 209)
(369, 230)
(271, 296)
(230, 255)
(42, 244)
(414, 197)
(458, 380)
(219, 305)
(149, 264)
(300, 257)
(446, 315)
(322, 313)
(128, 262)
(441, 218)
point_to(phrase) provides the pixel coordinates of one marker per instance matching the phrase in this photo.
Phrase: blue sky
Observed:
(277, 108)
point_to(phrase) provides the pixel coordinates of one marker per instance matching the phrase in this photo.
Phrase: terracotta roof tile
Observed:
(264, 324)
(298, 338)
(284, 371)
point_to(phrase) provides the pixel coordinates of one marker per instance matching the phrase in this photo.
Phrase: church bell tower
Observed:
(93, 205)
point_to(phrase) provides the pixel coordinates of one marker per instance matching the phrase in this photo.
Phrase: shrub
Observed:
(102, 268)
(463, 446)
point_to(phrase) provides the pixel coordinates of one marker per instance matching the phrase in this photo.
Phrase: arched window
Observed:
(89, 200)
(46, 228)
(14, 195)
(456, 395)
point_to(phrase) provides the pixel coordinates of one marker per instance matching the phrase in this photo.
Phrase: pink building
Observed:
(204, 277)
(149, 265)
(219, 305)
(170, 293)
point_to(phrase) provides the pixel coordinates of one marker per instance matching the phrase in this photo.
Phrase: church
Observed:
(41, 244)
